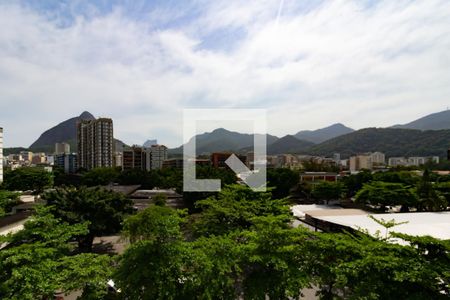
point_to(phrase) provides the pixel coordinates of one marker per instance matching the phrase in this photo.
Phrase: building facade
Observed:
(218, 159)
(144, 158)
(62, 148)
(67, 162)
(378, 158)
(158, 154)
(135, 158)
(360, 162)
(95, 143)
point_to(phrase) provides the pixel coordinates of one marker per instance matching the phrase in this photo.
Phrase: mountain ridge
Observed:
(322, 134)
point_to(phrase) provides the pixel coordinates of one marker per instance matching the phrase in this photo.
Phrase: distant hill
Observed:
(323, 134)
(64, 132)
(288, 144)
(13, 150)
(391, 141)
(222, 140)
(436, 121)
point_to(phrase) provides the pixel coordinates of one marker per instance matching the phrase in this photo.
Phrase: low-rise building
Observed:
(360, 162)
(67, 162)
(218, 159)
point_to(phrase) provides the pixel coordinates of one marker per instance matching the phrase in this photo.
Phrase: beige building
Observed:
(62, 148)
(95, 143)
(360, 162)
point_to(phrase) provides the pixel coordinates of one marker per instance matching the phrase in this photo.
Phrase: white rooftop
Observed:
(435, 224)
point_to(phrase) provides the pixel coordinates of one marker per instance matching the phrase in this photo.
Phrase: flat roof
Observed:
(336, 212)
(300, 210)
(435, 224)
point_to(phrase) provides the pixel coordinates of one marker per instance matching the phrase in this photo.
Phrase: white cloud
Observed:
(335, 62)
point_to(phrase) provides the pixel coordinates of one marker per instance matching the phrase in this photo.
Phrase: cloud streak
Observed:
(333, 61)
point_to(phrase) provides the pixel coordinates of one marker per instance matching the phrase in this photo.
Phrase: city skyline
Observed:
(363, 64)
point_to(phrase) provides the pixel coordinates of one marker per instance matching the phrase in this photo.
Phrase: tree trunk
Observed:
(85, 243)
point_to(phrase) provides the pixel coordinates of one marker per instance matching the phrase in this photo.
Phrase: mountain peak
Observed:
(85, 115)
(323, 134)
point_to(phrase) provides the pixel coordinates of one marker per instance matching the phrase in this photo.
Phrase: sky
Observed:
(308, 63)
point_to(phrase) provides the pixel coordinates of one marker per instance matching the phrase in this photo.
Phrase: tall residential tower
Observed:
(95, 143)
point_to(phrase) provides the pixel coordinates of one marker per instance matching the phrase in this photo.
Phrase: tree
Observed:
(154, 223)
(151, 268)
(234, 209)
(272, 260)
(327, 191)
(100, 176)
(147, 180)
(103, 209)
(429, 198)
(282, 180)
(353, 183)
(23, 179)
(384, 194)
(160, 199)
(7, 201)
(38, 260)
(404, 177)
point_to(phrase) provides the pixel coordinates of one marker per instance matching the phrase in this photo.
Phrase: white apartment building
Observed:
(378, 158)
(397, 161)
(411, 161)
(158, 154)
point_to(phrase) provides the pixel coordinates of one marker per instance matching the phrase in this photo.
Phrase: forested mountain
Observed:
(391, 141)
(323, 134)
(222, 140)
(288, 144)
(436, 121)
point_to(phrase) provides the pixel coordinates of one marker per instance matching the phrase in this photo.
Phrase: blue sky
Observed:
(309, 63)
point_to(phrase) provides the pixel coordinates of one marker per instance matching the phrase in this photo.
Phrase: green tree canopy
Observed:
(326, 190)
(234, 209)
(100, 176)
(28, 178)
(104, 210)
(429, 198)
(282, 180)
(37, 261)
(7, 201)
(384, 194)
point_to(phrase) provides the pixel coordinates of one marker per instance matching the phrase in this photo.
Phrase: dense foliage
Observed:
(38, 260)
(383, 194)
(327, 191)
(103, 209)
(7, 201)
(282, 180)
(266, 257)
(24, 179)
